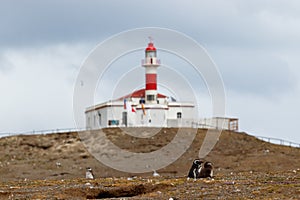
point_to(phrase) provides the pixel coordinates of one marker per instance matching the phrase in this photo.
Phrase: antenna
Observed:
(150, 39)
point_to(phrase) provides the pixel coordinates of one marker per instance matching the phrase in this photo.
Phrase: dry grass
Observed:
(244, 185)
(53, 166)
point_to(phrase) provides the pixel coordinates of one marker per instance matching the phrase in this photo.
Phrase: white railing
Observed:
(49, 131)
(278, 141)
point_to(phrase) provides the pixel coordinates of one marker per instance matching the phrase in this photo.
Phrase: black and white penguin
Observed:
(89, 173)
(206, 171)
(195, 169)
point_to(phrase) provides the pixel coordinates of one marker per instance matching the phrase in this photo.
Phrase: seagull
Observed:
(195, 169)
(89, 173)
(206, 171)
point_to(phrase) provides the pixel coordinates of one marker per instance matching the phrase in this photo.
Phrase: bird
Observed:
(89, 173)
(195, 169)
(155, 174)
(206, 171)
(58, 164)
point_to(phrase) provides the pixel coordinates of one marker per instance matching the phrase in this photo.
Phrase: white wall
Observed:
(157, 115)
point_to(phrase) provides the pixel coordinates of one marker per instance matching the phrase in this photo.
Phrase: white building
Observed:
(148, 108)
(144, 107)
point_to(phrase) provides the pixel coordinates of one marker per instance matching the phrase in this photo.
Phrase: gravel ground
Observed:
(246, 185)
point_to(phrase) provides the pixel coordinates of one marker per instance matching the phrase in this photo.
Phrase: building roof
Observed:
(140, 94)
(151, 47)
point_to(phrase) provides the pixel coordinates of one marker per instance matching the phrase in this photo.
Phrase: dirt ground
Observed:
(53, 166)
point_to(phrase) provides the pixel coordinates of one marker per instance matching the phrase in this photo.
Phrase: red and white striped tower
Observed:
(151, 63)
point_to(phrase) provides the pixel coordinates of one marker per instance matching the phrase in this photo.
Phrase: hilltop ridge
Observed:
(63, 155)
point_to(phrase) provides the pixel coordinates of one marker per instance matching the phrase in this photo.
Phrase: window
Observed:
(150, 97)
(99, 118)
(179, 115)
(142, 101)
(113, 122)
(151, 54)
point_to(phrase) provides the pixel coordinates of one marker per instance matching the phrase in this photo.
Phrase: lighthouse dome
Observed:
(151, 47)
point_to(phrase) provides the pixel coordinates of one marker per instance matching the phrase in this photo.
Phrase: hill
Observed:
(57, 156)
(53, 166)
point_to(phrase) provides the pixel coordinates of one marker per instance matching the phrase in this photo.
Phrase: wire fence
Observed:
(49, 131)
(278, 141)
(64, 130)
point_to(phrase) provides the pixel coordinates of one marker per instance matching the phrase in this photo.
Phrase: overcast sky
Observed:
(255, 45)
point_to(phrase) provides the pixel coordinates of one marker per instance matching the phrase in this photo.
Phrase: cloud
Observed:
(260, 116)
(254, 44)
(37, 93)
(255, 72)
(212, 22)
(36, 23)
(6, 65)
(251, 24)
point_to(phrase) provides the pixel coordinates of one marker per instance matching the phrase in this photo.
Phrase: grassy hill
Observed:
(53, 166)
(63, 155)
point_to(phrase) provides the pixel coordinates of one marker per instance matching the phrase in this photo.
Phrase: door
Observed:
(124, 118)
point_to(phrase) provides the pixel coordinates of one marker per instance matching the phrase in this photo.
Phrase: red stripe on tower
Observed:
(151, 82)
(151, 63)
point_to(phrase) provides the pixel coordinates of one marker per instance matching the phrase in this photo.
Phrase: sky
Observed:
(254, 44)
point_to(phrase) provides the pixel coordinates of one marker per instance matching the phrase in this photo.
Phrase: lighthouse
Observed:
(144, 107)
(151, 63)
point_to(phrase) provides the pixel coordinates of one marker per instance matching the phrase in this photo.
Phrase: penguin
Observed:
(195, 169)
(89, 173)
(155, 174)
(206, 171)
